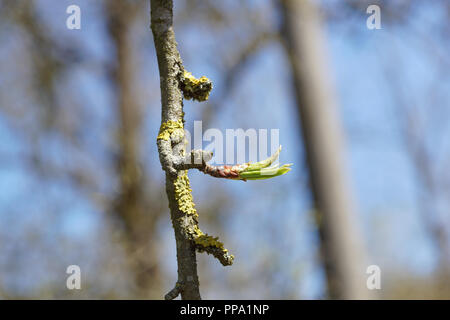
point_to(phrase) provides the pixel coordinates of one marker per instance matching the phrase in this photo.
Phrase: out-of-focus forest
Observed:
(80, 178)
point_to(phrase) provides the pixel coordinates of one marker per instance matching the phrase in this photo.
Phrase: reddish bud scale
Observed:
(226, 172)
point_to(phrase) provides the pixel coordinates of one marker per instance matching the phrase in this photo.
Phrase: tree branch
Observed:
(175, 83)
(264, 169)
(171, 148)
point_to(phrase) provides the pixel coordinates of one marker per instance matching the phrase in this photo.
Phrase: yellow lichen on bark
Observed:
(212, 245)
(204, 242)
(183, 194)
(196, 89)
(168, 127)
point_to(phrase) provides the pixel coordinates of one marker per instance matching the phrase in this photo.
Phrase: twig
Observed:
(172, 294)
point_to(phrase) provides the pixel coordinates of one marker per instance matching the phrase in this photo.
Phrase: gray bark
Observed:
(170, 69)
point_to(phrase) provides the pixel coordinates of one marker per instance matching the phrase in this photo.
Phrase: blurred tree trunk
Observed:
(130, 208)
(341, 245)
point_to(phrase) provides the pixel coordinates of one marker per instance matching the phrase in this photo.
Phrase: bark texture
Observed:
(170, 71)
